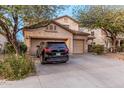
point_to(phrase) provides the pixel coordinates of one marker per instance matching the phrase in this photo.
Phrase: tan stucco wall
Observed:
(2, 41)
(80, 37)
(72, 24)
(121, 36)
(100, 37)
(42, 33)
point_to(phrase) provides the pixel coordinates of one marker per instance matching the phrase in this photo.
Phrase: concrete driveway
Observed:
(81, 71)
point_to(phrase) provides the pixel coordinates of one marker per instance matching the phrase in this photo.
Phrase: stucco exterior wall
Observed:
(43, 33)
(121, 36)
(100, 37)
(2, 41)
(72, 25)
(80, 37)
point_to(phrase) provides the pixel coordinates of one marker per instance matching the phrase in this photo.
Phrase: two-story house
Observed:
(101, 38)
(62, 29)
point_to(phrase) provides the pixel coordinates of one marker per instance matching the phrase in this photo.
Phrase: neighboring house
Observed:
(101, 38)
(2, 42)
(62, 29)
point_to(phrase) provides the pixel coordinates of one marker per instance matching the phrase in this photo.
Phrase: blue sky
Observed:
(67, 11)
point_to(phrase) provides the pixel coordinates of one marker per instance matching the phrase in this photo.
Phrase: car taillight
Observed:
(66, 50)
(47, 50)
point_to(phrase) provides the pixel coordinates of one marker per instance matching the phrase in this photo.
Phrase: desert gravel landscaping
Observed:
(81, 71)
(119, 56)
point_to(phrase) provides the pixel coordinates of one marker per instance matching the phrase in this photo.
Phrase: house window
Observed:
(51, 28)
(55, 28)
(92, 33)
(67, 26)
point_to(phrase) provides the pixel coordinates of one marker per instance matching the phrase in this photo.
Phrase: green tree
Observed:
(14, 17)
(108, 18)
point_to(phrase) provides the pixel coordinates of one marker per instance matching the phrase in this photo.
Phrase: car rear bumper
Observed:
(57, 59)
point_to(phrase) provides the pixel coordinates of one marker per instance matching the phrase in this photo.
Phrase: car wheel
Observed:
(42, 63)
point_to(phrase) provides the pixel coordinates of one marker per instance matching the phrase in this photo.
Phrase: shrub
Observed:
(119, 49)
(23, 48)
(14, 68)
(122, 46)
(9, 48)
(98, 49)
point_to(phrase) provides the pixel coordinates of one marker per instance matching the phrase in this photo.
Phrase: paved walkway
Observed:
(81, 71)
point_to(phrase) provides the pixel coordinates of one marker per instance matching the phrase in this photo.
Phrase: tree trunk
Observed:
(17, 51)
(15, 45)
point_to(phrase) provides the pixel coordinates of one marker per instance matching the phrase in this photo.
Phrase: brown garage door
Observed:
(35, 42)
(78, 46)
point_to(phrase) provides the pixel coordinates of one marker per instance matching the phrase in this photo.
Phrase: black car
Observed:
(55, 52)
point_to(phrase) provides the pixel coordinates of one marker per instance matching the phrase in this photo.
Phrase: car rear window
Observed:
(57, 45)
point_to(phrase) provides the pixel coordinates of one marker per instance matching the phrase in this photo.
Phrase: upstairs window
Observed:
(92, 33)
(54, 27)
(51, 28)
(67, 26)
